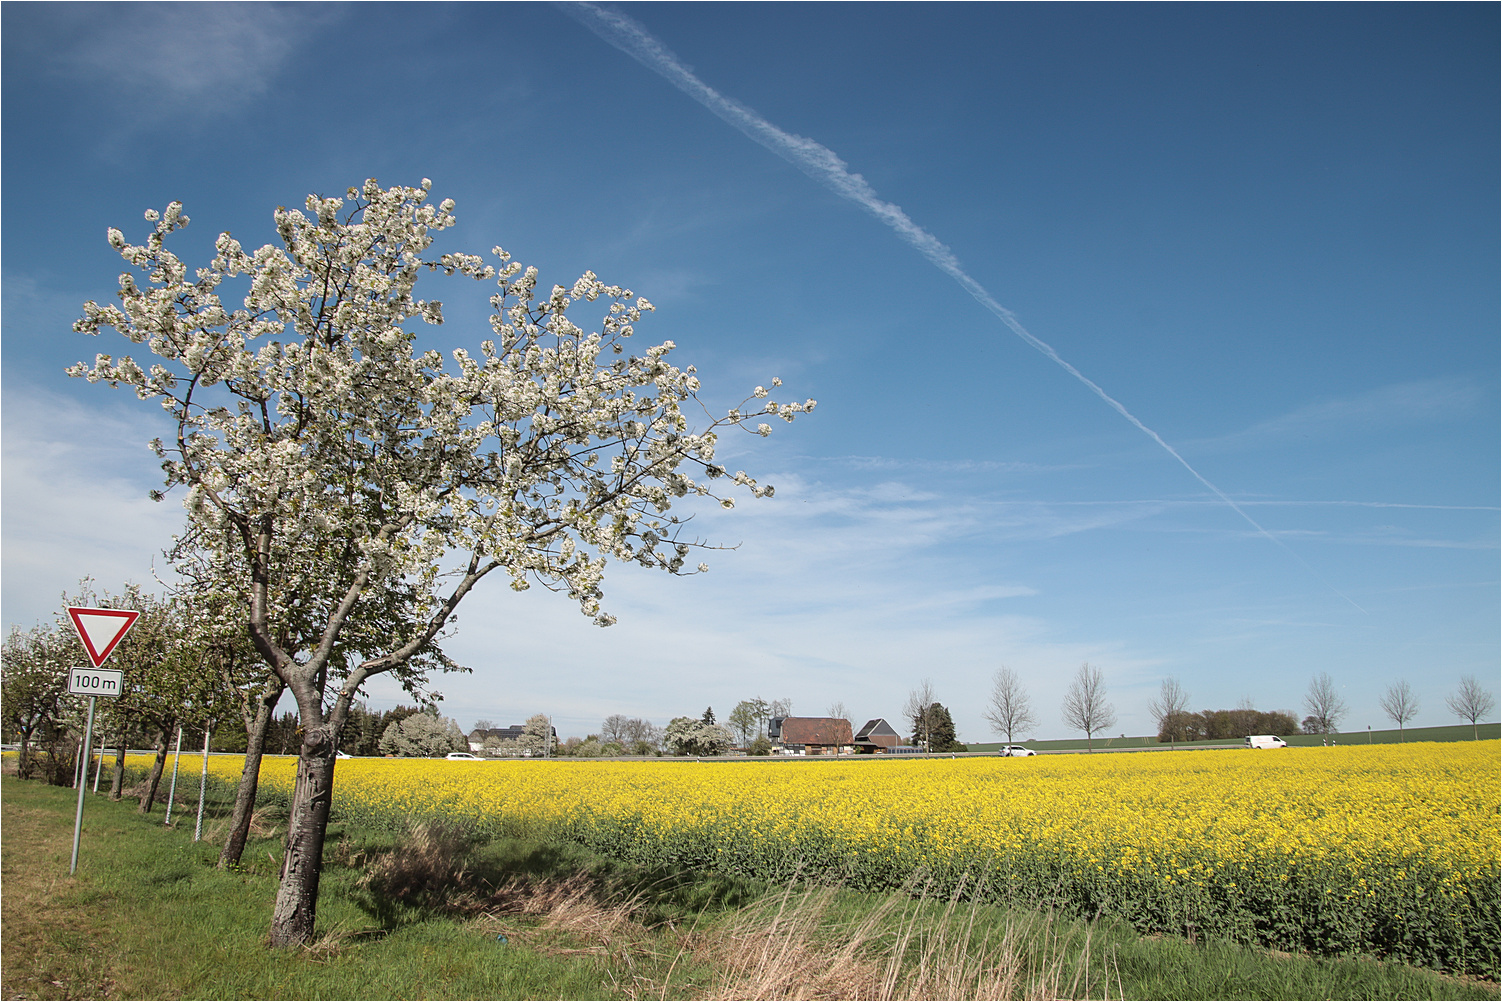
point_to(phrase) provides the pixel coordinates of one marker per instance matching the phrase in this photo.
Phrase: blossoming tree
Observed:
(213, 574)
(307, 419)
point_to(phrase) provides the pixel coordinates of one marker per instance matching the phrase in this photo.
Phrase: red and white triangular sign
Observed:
(101, 629)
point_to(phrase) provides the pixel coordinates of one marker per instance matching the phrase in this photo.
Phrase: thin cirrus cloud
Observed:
(956, 466)
(184, 58)
(1374, 504)
(1424, 401)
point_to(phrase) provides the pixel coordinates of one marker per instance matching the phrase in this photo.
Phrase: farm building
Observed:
(478, 737)
(810, 735)
(876, 737)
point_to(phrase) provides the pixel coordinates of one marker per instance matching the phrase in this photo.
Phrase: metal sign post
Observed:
(82, 787)
(101, 630)
(91, 682)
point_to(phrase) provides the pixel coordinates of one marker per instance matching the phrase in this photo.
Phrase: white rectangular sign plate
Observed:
(96, 681)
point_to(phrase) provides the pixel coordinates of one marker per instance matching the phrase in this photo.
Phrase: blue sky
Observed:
(1268, 232)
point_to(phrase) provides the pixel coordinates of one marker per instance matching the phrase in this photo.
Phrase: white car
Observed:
(462, 756)
(1015, 751)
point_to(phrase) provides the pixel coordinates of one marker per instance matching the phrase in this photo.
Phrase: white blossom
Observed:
(305, 416)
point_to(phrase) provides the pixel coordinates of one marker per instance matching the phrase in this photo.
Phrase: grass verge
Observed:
(438, 914)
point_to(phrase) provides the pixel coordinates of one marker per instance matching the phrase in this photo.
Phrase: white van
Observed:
(1265, 741)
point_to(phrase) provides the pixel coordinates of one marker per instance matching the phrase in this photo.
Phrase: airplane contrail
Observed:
(825, 166)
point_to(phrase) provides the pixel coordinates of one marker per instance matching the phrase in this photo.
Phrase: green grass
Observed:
(148, 916)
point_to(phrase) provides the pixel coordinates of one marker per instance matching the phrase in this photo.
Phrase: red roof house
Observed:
(810, 735)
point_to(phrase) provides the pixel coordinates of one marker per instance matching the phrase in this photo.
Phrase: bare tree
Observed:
(1172, 702)
(919, 708)
(1471, 702)
(781, 707)
(1324, 703)
(1085, 706)
(837, 711)
(1400, 704)
(1009, 708)
(614, 729)
(641, 737)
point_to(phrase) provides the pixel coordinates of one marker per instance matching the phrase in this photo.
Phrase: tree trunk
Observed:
(250, 776)
(23, 758)
(296, 910)
(148, 797)
(117, 785)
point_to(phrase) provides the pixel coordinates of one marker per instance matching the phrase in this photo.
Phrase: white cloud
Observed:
(846, 593)
(849, 593)
(833, 595)
(75, 501)
(167, 59)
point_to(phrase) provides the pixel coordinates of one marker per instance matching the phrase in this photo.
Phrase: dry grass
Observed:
(426, 871)
(430, 870)
(789, 947)
(265, 822)
(806, 942)
(565, 917)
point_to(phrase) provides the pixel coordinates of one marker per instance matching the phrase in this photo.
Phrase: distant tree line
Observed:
(363, 733)
(1212, 725)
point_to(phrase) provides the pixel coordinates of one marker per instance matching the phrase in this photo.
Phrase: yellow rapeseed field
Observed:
(1387, 848)
(1183, 816)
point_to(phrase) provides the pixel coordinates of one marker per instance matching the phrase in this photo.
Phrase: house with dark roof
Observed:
(810, 735)
(478, 736)
(876, 738)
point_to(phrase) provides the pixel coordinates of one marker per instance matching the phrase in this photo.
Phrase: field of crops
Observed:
(1389, 850)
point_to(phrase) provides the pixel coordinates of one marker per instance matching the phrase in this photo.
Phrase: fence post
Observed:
(173, 790)
(203, 780)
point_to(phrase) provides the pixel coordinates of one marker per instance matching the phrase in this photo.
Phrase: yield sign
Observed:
(101, 629)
